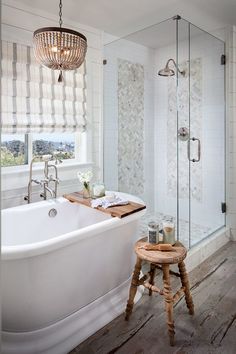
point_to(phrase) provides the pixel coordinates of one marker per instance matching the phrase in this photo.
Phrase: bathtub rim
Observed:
(60, 241)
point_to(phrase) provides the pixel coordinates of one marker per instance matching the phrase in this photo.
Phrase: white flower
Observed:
(85, 177)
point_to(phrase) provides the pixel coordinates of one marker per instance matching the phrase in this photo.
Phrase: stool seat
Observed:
(161, 257)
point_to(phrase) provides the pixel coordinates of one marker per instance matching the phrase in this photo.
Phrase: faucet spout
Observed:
(52, 192)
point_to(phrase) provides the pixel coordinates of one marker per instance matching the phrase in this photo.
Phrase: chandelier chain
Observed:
(60, 13)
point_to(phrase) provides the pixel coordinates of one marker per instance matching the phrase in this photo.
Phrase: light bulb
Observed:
(66, 51)
(54, 49)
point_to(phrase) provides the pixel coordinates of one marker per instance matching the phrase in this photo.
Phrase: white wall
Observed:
(231, 132)
(18, 23)
(134, 53)
(163, 202)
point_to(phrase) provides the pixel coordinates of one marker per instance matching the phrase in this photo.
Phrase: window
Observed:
(32, 100)
(62, 145)
(20, 149)
(13, 150)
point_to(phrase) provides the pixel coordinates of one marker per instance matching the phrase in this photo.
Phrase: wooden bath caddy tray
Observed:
(120, 211)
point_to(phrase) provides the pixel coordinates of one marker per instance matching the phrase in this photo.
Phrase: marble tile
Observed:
(130, 127)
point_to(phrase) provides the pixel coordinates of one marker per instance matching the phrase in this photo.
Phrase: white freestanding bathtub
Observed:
(63, 277)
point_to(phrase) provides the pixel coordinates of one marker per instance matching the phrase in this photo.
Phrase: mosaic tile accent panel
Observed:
(131, 127)
(196, 131)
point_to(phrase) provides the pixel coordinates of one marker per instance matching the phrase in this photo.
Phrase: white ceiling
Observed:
(121, 17)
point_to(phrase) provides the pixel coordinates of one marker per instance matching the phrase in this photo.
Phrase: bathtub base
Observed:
(64, 335)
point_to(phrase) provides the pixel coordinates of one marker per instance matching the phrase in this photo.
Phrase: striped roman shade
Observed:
(32, 99)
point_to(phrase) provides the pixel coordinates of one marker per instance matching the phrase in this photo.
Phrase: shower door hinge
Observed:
(223, 207)
(176, 17)
(104, 61)
(223, 59)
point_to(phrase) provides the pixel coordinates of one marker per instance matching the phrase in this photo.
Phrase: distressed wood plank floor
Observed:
(212, 330)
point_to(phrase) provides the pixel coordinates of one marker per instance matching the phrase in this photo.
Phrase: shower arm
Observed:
(173, 61)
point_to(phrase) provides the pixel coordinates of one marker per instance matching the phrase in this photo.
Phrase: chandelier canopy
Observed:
(59, 48)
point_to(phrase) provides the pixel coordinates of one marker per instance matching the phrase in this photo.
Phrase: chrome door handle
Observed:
(198, 149)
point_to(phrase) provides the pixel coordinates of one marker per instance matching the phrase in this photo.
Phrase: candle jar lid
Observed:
(153, 225)
(168, 221)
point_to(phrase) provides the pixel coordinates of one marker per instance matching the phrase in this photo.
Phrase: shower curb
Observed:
(204, 249)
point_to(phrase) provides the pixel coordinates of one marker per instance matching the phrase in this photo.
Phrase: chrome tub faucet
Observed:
(44, 183)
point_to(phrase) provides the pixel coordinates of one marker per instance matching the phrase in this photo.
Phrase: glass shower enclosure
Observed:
(164, 125)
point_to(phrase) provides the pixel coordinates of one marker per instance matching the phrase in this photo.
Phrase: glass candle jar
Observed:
(98, 190)
(168, 231)
(153, 232)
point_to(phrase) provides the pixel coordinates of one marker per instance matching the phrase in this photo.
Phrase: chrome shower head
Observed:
(167, 71)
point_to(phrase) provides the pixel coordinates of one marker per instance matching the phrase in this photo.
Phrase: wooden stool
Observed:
(161, 260)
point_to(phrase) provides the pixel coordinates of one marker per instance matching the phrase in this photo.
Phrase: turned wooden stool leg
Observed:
(185, 283)
(133, 288)
(151, 276)
(168, 302)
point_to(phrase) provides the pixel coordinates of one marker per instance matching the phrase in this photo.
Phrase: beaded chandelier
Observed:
(59, 48)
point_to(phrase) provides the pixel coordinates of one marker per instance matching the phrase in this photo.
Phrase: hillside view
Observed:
(14, 152)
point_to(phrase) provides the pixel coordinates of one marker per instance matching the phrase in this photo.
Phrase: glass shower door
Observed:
(206, 144)
(164, 130)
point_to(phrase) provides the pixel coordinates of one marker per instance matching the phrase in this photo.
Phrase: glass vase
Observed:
(86, 191)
